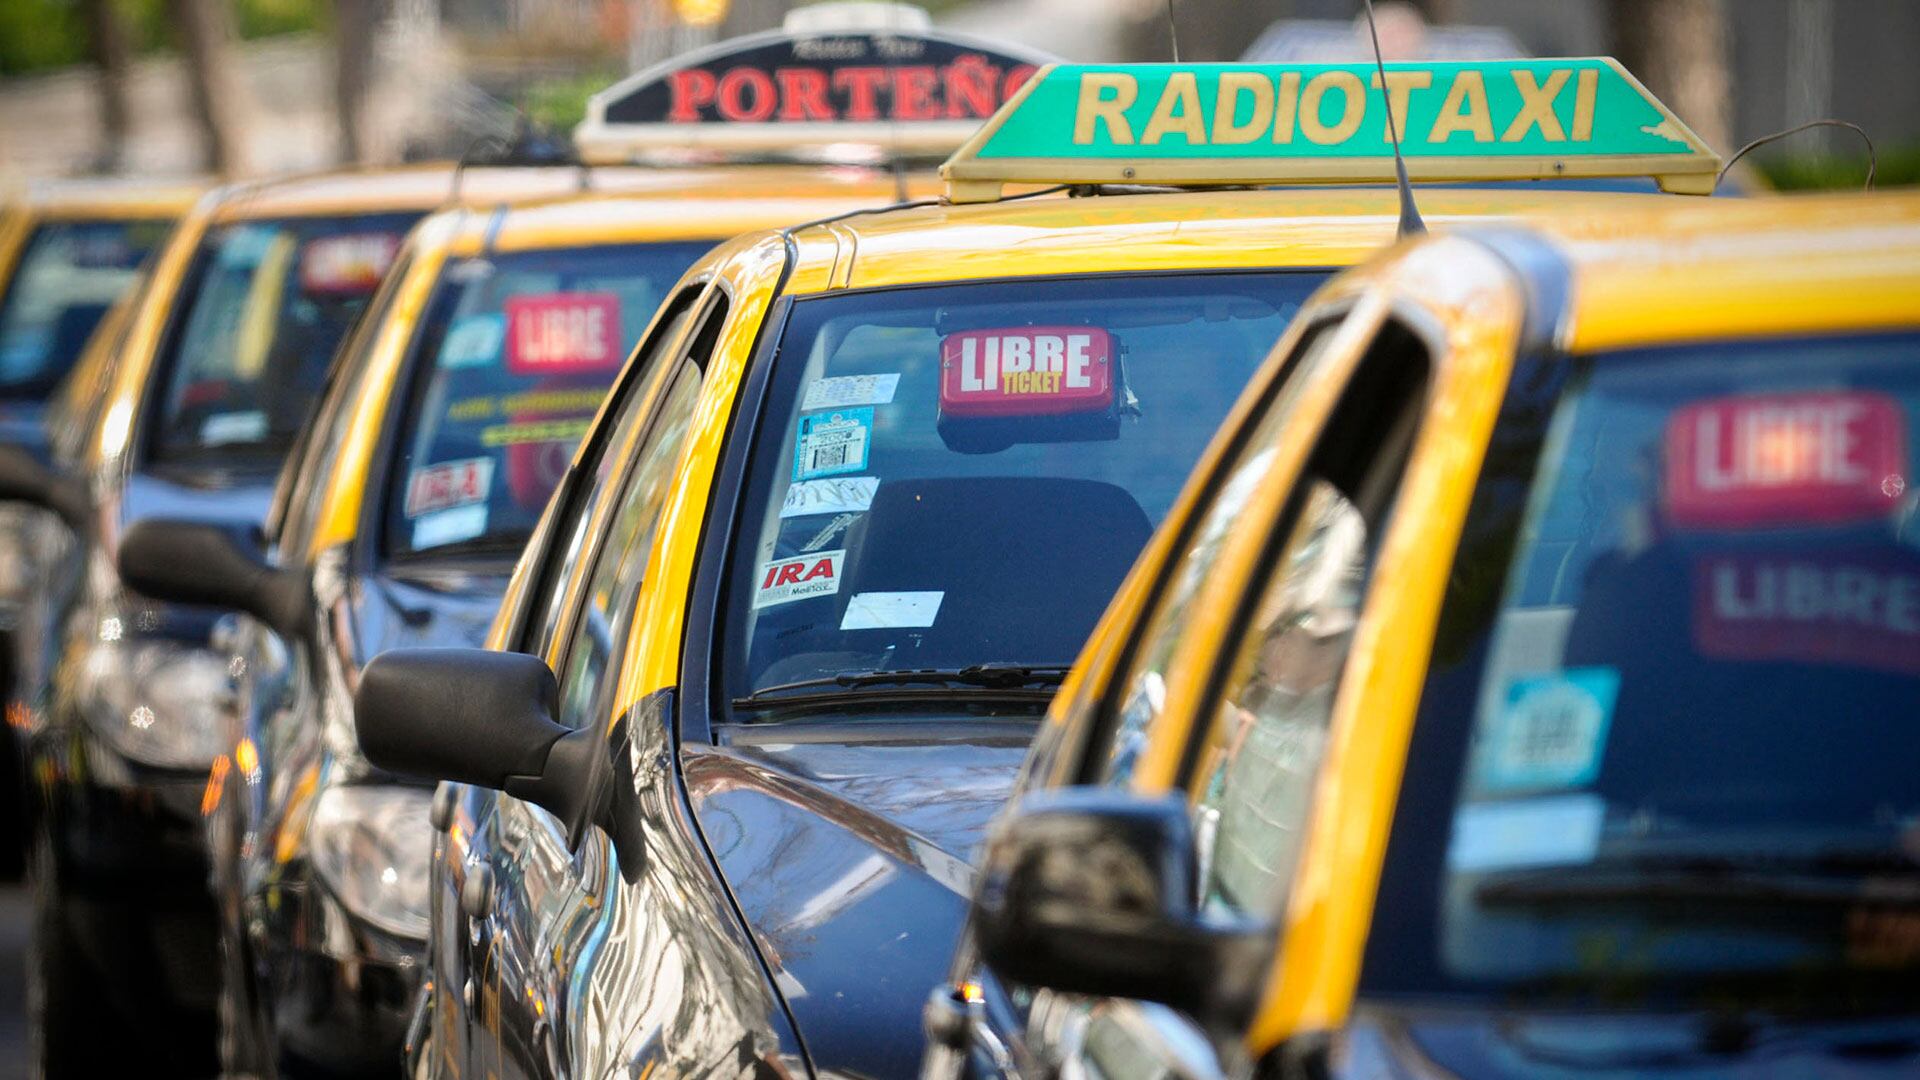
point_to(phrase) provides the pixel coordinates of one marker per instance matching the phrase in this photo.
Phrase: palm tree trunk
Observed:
(352, 75)
(107, 44)
(1679, 48)
(217, 92)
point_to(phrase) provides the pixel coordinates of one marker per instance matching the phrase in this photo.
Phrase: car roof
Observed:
(1723, 268)
(107, 197)
(677, 204)
(1318, 227)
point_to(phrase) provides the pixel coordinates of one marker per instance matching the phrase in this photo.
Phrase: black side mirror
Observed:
(480, 717)
(194, 562)
(1095, 891)
(24, 477)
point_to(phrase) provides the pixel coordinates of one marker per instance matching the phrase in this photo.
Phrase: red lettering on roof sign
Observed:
(1857, 610)
(747, 96)
(347, 265)
(1026, 371)
(563, 333)
(803, 94)
(692, 89)
(1776, 459)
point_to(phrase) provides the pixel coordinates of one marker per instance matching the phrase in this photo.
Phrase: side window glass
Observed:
(1143, 696)
(600, 631)
(301, 491)
(570, 535)
(1260, 757)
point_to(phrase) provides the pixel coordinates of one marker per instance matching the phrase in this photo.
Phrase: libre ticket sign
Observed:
(351, 264)
(1784, 459)
(1319, 123)
(1026, 371)
(563, 333)
(912, 88)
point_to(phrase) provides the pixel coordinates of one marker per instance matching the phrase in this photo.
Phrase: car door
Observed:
(528, 871)
(1233, 711)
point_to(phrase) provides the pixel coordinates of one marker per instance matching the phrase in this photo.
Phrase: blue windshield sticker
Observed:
(1514, 834)
(1551, 732)
(833, 443)
(442, 527)
(474, 341)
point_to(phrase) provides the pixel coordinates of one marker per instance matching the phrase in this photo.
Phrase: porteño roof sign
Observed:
(911, 89)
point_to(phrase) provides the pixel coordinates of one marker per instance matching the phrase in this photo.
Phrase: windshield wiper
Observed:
(1006, 682)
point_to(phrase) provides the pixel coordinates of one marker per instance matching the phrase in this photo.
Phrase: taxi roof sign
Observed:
(816, 83)
(1220, 124)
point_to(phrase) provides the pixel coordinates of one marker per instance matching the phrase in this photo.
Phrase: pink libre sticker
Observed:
(1026, 371)
(1784, 459)
(563, 333)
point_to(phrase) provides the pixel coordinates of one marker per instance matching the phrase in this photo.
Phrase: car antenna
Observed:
(1827, 121)
(1410, 223)
(1173, 32)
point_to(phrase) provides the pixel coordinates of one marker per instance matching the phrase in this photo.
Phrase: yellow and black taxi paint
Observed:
(22, 211)
(962, 238)
(1670, 273)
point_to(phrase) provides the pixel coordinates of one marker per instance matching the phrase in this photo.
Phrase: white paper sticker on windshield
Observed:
(829, 444)
(474, 341)
(846, 494)
(1552, 731)
(800, 578)
(884, 610)
(449, 526)
(841, 391)
(1557, 830)
(233, 427)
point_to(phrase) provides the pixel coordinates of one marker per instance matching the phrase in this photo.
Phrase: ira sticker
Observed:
(233, 427)
(573, 333)
(443, 527)
(885, 610)
(1552, 731)
(844, 494)
(801, 578)
(1518, 834)
(1785, 459)
(832, 443)
(474, 341)
(449, 484)
(841, 391)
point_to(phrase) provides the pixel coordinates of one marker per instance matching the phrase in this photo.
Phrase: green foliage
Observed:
(558, 104)
(43, 35)
(1899, 166)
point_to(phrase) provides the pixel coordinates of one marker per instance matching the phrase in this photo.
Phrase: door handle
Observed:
(476, 893)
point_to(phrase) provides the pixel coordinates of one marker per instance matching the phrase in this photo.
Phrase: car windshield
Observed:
(1674, 756)
(261, 312)
(68, 275)
(516, 352)
(955, 476)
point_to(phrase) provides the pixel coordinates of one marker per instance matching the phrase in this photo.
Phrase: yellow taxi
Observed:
(201, 387)
(1519, 691)
(450, 416)
(773, 657)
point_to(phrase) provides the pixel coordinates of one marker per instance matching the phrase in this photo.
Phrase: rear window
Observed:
(961, 475)
(263, 308)
(68, 275)
(515, 354)
(1685, 752)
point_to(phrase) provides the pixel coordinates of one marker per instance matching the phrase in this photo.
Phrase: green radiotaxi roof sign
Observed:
(1201, 124)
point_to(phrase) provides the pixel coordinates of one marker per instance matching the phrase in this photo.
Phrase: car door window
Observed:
(1258, 760)
(1143, 693)
(584, 500)
(599, 634)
